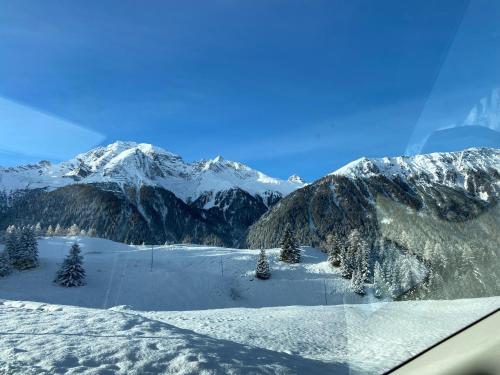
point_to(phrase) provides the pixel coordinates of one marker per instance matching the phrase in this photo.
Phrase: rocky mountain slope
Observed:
(401, 200)
(455, 186)
(138, 192)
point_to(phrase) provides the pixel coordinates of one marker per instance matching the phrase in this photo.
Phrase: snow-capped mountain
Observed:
(136, 192)
(138, 164)
(349, 194)
(450, 169)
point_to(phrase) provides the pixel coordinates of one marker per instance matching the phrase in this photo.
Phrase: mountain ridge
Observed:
(136, 164)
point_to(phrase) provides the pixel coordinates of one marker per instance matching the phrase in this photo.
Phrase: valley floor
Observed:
(201, 311)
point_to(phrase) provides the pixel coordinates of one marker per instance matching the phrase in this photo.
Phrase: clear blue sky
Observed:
(284, 86)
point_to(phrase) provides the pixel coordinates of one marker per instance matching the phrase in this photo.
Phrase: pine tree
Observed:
(38, 230)
(5, 267)
(333, 248)
(26, 254)
(59, 231)
(357, 284)
(349, 255)
(71, 273)
(11, 242)
(378, 281)
(262, 270)
(363, 259)
(92, 232)
(50, 231)
(73, 230)
(290, 252)
(345, 270)
(32, 246)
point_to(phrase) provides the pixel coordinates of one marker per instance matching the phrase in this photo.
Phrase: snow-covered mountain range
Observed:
(136, 192)
(138, 164)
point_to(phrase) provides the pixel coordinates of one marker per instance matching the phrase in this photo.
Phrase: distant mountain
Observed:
(138, 192)
(401, 200)
(132, 164)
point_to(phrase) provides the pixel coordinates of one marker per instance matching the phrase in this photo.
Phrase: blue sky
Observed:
(284, 86)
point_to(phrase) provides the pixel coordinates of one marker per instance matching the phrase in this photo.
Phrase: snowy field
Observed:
(201, 311)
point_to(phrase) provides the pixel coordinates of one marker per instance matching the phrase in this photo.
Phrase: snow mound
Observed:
(88, 341)
(342, 339)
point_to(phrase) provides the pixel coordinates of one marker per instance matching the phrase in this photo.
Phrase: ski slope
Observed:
(199, 310)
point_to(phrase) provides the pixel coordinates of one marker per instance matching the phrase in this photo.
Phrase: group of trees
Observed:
(73, 230)
(21, 252)
(415, 254)
(353, 258)
(59, 230)
(460, 257)
(21, 249)
(290, 253)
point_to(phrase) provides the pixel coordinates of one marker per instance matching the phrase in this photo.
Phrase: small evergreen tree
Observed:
(333, 248)
(290, 252)
(357, 284)
(50, 231)
(5, 267)
(71, 273)
(38, 230)
(73, 230)
(262, 270)
(59, 231)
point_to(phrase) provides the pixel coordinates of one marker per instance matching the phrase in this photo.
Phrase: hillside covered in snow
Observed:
(200, 310)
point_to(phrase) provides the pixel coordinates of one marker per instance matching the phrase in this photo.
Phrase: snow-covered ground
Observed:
(200, 310)
(182, 278)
